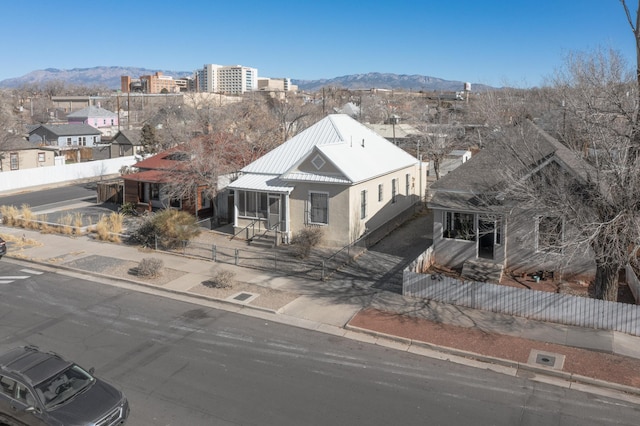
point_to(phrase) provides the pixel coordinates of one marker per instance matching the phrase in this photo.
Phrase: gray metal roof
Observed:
(354, 150)
(69, 129)
(92, 112)
(487, 172)
(266, 183)
(399, 131)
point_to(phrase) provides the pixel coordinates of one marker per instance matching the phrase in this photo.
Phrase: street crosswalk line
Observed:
(31, 271)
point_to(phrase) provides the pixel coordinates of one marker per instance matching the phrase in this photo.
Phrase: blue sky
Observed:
(495, 42)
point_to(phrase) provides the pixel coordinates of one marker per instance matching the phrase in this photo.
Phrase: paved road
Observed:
(181, 363)
(56, 196)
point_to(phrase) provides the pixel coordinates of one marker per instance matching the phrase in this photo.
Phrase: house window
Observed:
(380, 193)
(155, 191)
(13, 160)
(41, 157)
(459, 226)
(550, 234)
(68, 141)
(252, 204)
(363, 204)
(394, 190)
(407, 178)
(319, 207)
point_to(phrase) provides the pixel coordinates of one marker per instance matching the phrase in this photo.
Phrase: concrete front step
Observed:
(482, 271)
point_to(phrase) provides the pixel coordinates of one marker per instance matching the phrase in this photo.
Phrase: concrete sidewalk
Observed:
(326, 306)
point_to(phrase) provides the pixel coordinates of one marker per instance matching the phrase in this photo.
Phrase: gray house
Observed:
(126, 143)
(476, 221)
(65, 136)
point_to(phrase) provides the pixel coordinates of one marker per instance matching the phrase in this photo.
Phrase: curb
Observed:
(149, 286)
(570, 378)
(516, 367)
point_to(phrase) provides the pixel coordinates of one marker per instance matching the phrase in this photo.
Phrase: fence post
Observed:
(155, 239)
(213, 252)
(236, 250)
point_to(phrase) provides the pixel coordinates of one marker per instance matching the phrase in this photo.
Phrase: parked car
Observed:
(3, 248)
(42, 388)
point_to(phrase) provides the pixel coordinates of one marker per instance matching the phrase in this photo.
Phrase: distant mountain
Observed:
(96, 76)
(378, 80)
(110, 77)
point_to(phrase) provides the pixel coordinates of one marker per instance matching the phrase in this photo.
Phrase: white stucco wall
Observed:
(22, 179)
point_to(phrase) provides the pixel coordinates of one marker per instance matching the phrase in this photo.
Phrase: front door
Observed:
(274, 210)
(486, 238)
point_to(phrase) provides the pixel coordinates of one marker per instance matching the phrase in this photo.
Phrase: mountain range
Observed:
(109, 77)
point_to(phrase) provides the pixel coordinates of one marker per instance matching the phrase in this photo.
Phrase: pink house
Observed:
(94, 116)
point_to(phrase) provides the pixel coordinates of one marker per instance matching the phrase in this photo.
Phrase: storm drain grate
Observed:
(546, 359)
(242, 296)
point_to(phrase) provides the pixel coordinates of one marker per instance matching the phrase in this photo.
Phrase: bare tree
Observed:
(200, 166)
(593, 184)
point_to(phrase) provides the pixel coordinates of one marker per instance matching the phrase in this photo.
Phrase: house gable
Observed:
(316, 167)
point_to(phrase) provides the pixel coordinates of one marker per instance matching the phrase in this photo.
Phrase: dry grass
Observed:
(20, 242)
(110, 227)
(10, 215)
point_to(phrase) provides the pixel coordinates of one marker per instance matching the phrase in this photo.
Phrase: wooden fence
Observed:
(537, 305)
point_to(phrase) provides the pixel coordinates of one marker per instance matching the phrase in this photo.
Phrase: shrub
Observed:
(9, 215)
(109, 227)
(77, 222)
(128, 209)
(149, 267)
(305, 240)
(222, 279)
(171, 227)
(65, 224)
(27, 219)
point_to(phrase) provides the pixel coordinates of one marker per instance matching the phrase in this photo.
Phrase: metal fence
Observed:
(319, 265)
(537, 305)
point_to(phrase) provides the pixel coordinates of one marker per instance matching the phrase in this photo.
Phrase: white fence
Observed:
(20, 179)
(537, 305)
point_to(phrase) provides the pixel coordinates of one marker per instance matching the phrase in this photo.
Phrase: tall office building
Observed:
(231, 79)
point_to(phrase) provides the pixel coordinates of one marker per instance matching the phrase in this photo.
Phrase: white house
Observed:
(337, 174)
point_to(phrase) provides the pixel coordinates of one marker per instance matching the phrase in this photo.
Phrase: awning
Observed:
(261, 183)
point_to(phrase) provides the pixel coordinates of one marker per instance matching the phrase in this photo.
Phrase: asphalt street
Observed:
(182, 363)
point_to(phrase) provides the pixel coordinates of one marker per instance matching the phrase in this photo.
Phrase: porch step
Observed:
(482, 271)
(263, 241)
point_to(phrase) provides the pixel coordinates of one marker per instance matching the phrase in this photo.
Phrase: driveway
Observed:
(381, 266)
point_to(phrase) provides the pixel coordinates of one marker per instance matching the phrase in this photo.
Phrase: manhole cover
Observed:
(242, 296)
(546, 359)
